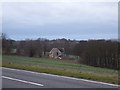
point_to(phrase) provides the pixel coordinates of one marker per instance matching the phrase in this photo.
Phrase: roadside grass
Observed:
(60, 67)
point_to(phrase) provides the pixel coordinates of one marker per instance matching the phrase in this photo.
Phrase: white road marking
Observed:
(97, 82)
(37, 84)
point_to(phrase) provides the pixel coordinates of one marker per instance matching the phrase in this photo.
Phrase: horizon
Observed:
(60, 39)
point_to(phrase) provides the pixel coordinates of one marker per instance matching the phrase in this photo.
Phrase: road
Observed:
(14, 78)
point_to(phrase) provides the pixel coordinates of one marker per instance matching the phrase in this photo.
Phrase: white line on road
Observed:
(22, 81)
(97, 82)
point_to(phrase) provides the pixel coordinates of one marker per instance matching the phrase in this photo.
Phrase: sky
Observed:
(55, 20)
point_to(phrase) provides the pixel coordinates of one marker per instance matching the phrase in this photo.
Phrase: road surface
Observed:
(14, 78)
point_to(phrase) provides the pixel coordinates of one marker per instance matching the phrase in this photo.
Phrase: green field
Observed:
(61, 67)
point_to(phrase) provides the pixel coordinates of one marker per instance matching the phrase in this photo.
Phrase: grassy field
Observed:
(61, 67)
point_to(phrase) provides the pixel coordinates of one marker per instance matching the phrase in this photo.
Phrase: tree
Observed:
(5, 44)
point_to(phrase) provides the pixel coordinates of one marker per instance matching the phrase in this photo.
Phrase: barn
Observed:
(56, 53)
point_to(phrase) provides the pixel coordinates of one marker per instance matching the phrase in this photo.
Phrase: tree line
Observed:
(98, 53)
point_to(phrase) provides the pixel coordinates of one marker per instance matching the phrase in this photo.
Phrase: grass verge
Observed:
(61, 68)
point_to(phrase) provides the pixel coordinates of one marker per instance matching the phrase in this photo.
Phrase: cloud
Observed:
(0, 18)
(59, 1)
(57, 13)
(60, 19)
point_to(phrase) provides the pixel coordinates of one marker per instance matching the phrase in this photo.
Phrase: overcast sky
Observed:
(53, 20)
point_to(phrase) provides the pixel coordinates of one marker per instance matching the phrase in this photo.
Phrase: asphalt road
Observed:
(13, 78)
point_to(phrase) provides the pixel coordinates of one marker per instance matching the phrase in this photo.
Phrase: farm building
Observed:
(56, 53)
(13, 51)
